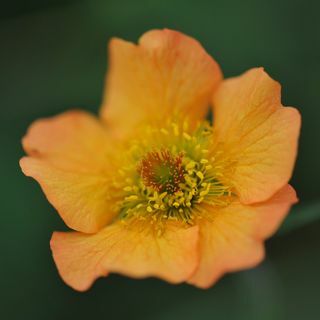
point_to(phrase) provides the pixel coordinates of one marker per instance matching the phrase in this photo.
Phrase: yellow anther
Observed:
(128, 188)
(162, 195)
(164, 131)
(176, 204)
(204, 161)
(131, 198)
(149, 209)
(204, 192)
(189, 181)
(200, 199)
(154, 197)
(208, 167)
(186, 136)
(175, 129)
(200, 175)
(156, 206)
(182, 186)
(190, 165)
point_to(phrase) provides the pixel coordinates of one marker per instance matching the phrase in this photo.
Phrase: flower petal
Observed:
(68, 156)
(137, 253)
(234, 239)
(165, 74)
(255, 131)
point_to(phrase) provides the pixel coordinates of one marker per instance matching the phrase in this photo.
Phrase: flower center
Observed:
(162, 171)
(171, 174)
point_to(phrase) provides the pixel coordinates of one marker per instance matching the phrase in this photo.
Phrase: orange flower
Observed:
(151, 188)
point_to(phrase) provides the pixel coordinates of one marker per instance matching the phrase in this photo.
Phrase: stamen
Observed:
(177, 180)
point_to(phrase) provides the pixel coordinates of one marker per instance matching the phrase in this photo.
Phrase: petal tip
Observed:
(67, 270)
(23, 163)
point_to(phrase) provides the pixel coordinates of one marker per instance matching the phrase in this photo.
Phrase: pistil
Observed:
(162, 171)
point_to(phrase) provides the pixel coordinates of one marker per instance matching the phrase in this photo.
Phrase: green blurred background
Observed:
(53, 58)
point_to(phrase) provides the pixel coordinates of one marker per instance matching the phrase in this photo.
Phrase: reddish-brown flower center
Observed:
(162, 171)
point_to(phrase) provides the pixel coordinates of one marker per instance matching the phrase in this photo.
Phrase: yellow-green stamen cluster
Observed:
(172, 176)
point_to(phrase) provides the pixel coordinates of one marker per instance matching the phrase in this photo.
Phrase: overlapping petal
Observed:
(69, 157)
(166, 74)
(133, 251)
(256, 133)
(233, 240)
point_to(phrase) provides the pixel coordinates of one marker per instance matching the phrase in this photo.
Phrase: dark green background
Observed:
(53, 57)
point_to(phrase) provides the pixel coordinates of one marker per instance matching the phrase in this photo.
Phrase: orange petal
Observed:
(68, 156)
(233, 240)
(257, 133)
(137, 253)
(165, 74)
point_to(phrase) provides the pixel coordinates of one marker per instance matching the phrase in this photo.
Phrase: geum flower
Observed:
(153, 189)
